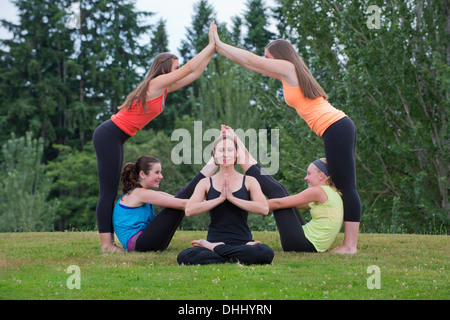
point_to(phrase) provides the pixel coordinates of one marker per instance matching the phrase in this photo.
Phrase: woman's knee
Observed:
(190, 256)
(274, 189)
(267, 254)
(184, 257)
(259, 254)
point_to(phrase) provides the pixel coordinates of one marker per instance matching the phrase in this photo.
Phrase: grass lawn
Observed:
(35, 265)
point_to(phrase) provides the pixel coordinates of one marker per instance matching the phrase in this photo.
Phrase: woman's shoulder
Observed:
(250, 181)
(334, 198)
(330, 190)
(204, 183)
(155, 95)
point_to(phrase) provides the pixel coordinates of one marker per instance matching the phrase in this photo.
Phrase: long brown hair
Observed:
(130, 173)
(161, 64)
(283, 49)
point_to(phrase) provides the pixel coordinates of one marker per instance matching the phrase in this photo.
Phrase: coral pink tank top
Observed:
(133, 120)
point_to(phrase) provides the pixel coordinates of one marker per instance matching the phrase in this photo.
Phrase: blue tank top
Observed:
(229, 222)
(128, 221)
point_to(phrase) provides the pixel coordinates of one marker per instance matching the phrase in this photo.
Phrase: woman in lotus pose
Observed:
(321, 197)
(302, 92)
(230, 196)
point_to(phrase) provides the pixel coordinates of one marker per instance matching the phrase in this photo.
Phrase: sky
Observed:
(177, 14)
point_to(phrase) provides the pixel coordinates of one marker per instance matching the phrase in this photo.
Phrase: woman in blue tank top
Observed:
(230, 196)
(135, 223)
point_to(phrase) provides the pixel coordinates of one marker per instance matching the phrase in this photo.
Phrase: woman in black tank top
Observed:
(229, 237)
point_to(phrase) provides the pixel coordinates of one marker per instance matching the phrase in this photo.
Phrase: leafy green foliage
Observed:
(393, 81)
(24, 187)
(389, 81)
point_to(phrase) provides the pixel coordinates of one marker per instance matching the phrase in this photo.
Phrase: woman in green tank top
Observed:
(325, 202)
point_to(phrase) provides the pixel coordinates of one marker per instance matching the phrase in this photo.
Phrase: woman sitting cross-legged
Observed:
(229, 237)
(321, 197)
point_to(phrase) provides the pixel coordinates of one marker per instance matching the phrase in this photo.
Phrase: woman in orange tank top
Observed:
(302, 92)
(139, 108)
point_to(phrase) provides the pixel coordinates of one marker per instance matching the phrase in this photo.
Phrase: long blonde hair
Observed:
(283, 49)
(161, 64)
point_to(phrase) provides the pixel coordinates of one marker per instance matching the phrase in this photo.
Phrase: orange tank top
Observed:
(318, 113)
(133, 120)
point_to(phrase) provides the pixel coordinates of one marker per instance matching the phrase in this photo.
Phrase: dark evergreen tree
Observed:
(236, 33)
(159, 41)
(256, 19)
(197, 34)
(59, 80)
(34, 89)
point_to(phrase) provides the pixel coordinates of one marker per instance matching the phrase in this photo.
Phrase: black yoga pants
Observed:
(161, 229)
(108, 142)
(289, 221)
(245, 254)
(340, 148)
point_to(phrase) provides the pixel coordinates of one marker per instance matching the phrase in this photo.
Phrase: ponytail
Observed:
(130, 174)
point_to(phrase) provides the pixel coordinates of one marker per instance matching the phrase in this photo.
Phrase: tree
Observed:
(159, 41)
(177, 103)
(197, 34)
(236, 33)
(34, 85)
(109, 53)
(59, 82)
(24, 187)
(75, 185)
(393, 83)
(256, 20)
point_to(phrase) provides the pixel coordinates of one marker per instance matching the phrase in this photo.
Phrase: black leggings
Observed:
(289, 221)
(161, 229)
(246, 254)
(340, 147)
(108, 142)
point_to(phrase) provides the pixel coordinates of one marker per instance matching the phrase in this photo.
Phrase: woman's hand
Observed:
(227, 186)
(224, 195)
(216, 35)
(211, 33)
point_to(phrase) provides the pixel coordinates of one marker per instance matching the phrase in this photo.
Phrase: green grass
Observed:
(34, 266)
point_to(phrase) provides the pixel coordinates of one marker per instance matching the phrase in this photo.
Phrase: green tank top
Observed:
(326, 220)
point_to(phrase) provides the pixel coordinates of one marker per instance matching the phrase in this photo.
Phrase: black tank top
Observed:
(229, 222)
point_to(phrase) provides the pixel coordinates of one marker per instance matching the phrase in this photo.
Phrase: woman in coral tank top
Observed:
(302, 92)
(141, 106)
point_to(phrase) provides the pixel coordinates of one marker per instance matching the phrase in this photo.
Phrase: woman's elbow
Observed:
(264, 209)
(188, 211)
(274, 204)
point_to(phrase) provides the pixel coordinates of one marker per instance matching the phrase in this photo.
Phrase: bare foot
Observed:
(252, 243)
(344, 250)
(113, 249)
(205, 244)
